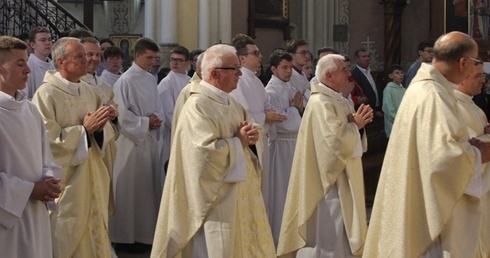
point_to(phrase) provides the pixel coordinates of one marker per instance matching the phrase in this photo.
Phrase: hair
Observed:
(358, 51)
(89, 40)
(194, 53)
(394, 67)
(423, 45)
(181, 51)
(213, 57)
(327, 49)
(240, 42)
(81, 33)
(35, 31)
(112, 52)
(293, 45)
(59, 49)
(199, 62)
(277, 56)
(144, 44)
(327, 64)
(24, 36)
(451, 51)
(7, 43)
(347, 58)
(106, 40)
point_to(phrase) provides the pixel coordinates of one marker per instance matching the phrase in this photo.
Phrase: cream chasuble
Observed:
(202, 196)
(25, 159)
(79, 226)
(427, 167)
(472, 215)
(182, 98)
(327, 157)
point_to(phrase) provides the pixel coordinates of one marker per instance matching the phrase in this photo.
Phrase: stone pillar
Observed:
(224, 21)
(150, 18)
(167, 37)
(204, 26)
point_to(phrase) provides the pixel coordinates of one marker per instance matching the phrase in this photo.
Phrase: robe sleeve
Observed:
(167, 102)
(290, 125)
(134, 126)
(14, 195)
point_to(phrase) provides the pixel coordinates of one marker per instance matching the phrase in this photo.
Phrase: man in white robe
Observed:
(168, 90)
(429, 164)
(300, 51)
(76, 124)
(29, 179)
(113, 65)
(325, 213)
(282, 137)
(250, 93)
(39, 62)
(212, 204)
(474, 213)
(137, 169)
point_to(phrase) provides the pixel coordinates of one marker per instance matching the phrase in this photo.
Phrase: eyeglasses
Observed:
(229, 68)
(476, 61)
(303, 52)
(255, 53)
(177, 60)
(430, 51)
(479, 76)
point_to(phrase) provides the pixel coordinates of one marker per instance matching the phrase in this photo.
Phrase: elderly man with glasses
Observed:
(212, 204)
(432, 172)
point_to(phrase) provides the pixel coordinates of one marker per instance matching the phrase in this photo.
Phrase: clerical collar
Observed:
(223, 95)
(9, 102)
(297, 70)
(72, 86)
(338, 94)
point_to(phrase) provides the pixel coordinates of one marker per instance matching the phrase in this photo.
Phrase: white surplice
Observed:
(36, 76)
(301, 83)
(137, 168)
(168, 90)
(251, 94)
(109, 77)
(26, 158)
(282, 137)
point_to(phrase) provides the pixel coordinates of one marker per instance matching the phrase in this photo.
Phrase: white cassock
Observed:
(36, 76)
(251, 94)
(109, 77)
(282, 138)
(137, 167)
(301, 83)
(25, 158)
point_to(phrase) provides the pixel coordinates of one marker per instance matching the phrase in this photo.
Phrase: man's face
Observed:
(92, 53)
(474, 83)
(252, 59)
(396, 76)
(146, 59)
(13, 71)
(228, 78)
(114, 64)
(363, 59)
(283, 71)
(340, 77)
(301, 56)
(75, 64)
(178, 63)
(42, 45)
(427, 54)
(308, 69)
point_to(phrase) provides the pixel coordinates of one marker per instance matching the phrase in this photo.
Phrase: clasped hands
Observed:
(247, 134)
(154, 122)
(47, 189)
(95, 121)
(363, 116)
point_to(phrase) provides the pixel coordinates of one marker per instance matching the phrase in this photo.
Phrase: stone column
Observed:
(150, 18)
(224, 21)
(167, 36)
(204, 26)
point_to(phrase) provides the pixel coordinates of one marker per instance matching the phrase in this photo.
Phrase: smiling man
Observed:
(28, 177)
(76, 121)
(212, 204)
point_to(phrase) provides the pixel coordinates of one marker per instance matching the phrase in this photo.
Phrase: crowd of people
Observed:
(215, 163)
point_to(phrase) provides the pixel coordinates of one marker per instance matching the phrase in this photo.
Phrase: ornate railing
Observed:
(19, 16)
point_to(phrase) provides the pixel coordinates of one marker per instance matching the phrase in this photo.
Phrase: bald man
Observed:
(430, 164)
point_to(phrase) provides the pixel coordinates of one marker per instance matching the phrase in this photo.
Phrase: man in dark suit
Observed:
(362, 75)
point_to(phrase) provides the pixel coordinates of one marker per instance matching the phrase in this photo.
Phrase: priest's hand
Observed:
(112, 112)
(47, 189)
(247, 134)
(155, 122)
(271, 116)
(484, 148)
(363, 116)
(95, 121)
